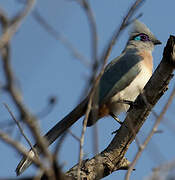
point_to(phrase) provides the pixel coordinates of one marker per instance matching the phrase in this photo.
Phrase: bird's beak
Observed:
(156, 42)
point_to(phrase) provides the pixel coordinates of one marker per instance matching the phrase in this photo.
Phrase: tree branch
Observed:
(152, 132)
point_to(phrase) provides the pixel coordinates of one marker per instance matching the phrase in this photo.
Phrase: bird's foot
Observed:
(114, 132)
(116, 118)
(128, 102)
(132, 104)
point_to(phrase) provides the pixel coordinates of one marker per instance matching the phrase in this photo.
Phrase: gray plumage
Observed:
(119, 74)
(124, 77)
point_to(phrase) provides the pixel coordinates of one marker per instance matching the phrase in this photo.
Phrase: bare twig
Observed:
(60, 37)
(74, 136)
(125, 22)
(41, 114)
(168, 124)
(94, 37)
(92, 80)
(154, 152)
(165, 167)
(17, 146)
(18, 124)
(58, 145)
(94, 41)
(82, 135)
(26, 116)
(15, 23)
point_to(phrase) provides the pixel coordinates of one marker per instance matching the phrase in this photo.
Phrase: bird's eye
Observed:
(141, 37)
(144, 37)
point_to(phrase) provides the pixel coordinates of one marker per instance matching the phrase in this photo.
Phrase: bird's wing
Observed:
(118, 75)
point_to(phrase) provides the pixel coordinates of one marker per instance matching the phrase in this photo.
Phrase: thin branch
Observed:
(92, 103)
(26, 116)
(94, 36)
(17, 146)
(58, 145)
(41, 114)
(125, 22)
(18, 124)
(16, 23)
(166, 122)
(82, 135)
(60, 37)
(165, 167)
(94, 51)
(73, 135)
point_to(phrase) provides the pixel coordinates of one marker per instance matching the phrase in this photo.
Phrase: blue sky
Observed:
(44, 67)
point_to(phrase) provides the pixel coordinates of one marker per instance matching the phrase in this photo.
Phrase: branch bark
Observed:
(112, 158)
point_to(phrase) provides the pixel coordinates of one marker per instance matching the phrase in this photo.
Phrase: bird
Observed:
(123, 79)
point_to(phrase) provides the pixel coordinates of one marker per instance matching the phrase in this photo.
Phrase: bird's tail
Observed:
(54, 133)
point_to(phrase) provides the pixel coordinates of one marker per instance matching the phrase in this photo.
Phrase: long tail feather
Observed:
(54, 133)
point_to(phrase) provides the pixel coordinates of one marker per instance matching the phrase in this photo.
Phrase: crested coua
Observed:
(126, 75)
(123, 79)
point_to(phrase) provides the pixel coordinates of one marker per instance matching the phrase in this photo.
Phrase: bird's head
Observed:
(141, 37)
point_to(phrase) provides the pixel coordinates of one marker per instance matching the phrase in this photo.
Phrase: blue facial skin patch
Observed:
(137, 38)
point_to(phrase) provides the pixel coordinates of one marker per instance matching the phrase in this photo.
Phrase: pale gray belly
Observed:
(129, 93)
